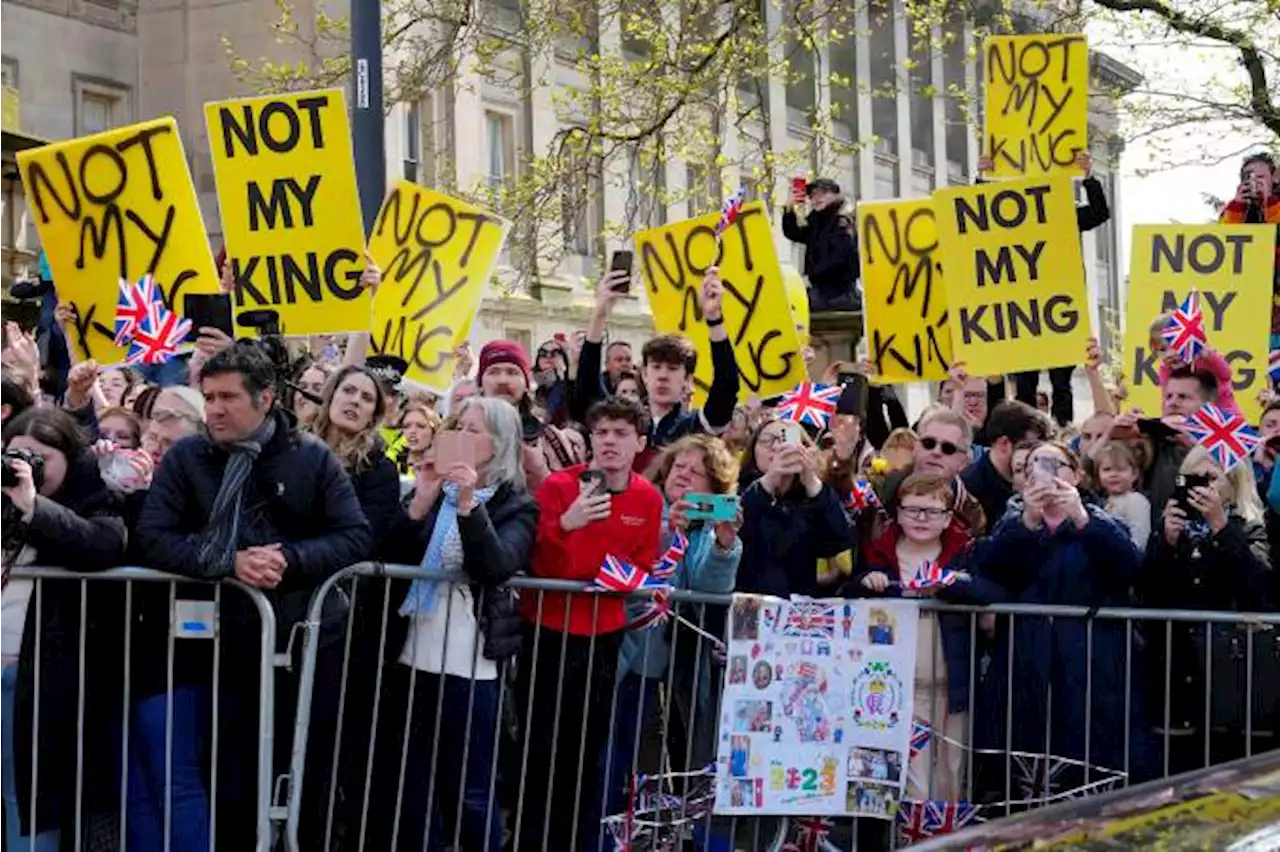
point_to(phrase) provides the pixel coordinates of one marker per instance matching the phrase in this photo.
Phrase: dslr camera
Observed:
(9, 479)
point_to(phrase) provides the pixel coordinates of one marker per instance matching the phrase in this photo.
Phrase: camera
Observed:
(267, 324)
(9, 479)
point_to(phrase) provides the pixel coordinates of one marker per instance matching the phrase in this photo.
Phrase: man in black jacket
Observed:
(1010, 425)
(830, 249)
(259, 502)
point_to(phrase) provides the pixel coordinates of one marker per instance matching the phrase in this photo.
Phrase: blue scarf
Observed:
(422, 596)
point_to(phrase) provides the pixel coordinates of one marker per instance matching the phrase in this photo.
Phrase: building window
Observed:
(100, 105)
(501, 138)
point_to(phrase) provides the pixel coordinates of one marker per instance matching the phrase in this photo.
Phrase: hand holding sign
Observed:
(712, 297)
(372, 275)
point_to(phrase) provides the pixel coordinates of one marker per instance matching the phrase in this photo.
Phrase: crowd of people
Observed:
(522, 717)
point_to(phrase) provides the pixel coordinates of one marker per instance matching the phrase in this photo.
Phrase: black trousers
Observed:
(1061, 405)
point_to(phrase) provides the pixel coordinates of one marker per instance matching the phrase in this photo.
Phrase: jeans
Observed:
(1062, 407)
(46, 841)
(188, 800)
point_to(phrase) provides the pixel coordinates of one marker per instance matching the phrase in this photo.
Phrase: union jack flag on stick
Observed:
(862, 497)
(1226, 435)
(133, 306)
(810, 403)
(157, 340)
(930, 576)
(619, 575)
(1184, 332)
(730, 209)
(667, 563)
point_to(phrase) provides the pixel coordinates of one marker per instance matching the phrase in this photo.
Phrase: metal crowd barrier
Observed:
(99, 602)
(378, 753)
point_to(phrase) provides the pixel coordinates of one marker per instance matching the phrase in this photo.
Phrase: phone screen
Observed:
(1044, 471)
(622, 261)
(207, 310)
(800, 186)
(591, 481)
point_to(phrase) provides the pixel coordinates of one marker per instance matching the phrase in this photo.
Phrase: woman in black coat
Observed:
(1209, 554)
(59, 514)
(444, 644)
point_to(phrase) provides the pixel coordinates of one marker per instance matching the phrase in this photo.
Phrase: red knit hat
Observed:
(504, 352)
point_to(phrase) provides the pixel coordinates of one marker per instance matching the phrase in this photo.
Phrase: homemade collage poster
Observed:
(817, 710)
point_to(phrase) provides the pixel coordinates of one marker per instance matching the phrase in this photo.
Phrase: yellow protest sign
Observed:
(1037, 103)
(436, 254)
(1016, 290)
(117, 205)
(1231, 267)
(902, 291)
(290, 208)
(757, 314)
(798, 298)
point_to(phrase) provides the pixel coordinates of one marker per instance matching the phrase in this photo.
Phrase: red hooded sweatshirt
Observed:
(630, 533)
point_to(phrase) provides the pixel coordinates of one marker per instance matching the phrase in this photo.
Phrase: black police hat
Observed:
(388, 369)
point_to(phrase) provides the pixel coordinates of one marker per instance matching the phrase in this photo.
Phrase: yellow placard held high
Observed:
(117, 205)
(1231, 267)
(290, 208)
(436, 254)
(1037, 103)
(1016, 291)
(908, 337)
(757, 315)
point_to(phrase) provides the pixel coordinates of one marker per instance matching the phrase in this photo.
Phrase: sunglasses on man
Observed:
(946, 447)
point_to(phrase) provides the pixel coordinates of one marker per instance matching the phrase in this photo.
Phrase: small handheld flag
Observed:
(619, 575)
(1184, 332)
(928, 577)
(158, 338)
(669, 561)
(1226, 435)
(862, 497)
(730, 209)
(810, 403)
(132, 306)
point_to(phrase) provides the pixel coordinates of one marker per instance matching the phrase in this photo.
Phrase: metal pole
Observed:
(367, 126)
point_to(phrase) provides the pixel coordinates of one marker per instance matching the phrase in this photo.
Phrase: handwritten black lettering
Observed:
(1036, 98)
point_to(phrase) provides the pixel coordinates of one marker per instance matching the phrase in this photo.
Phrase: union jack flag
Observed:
(920, 736)
(911, 823)
(1226, 435)
(1273, 367)
(619, 575)
(929, 576)
(669, 561)
(810, 618)
(862, 497)
(132, 307)
(1184, 332)
(811, 831)
(158, 338)
(945, 817)
(730, 209)
(810, 403)
(657, 610)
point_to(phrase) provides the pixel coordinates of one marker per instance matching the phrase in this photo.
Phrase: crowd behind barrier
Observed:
(435, 639)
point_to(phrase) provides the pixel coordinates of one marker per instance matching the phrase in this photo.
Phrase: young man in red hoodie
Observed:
(567, 671)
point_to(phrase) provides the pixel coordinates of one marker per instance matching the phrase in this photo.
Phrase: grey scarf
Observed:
(218, 552)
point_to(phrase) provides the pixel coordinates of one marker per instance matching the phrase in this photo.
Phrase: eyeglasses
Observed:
(921, 513)
(947, 448)
(548, 353)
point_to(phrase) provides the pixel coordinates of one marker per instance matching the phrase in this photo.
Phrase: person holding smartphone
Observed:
(830, 246)
(1257, 202)
(587, 512)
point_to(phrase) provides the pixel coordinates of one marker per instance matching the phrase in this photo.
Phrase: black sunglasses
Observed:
(931, 444)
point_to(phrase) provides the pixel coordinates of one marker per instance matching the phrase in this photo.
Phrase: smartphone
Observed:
(208, 310)
(800, 185)
(622, 261)
(591, 481)
(853, 399)
(1044, 471)
(791, 433)
(712, 507)
(1182, 485)
(454, 448)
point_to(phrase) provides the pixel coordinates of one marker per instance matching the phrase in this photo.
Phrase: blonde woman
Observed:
(419, 424)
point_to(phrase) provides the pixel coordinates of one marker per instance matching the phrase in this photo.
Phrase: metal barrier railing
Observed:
(101, 618)
(548, 779)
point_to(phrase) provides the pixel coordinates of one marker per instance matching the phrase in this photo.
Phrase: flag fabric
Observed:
(945, 817)
(157, 339)
(811, 831)
(1184, 332)
(810, 403)
(132, 306)
(619, 575)
(669, 561)
(1273, 367)
(929, 576)
(656, 612)
(920, 736)
(730, 209)
(862, 497)
(910, 820)
(1226, 435)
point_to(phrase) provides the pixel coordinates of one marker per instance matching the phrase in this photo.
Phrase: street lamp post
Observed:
(367, 125)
